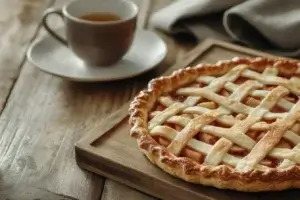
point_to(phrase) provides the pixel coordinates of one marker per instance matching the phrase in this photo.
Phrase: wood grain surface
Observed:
(43, 116)
(26, 192)
(116, 191)
(16, 17)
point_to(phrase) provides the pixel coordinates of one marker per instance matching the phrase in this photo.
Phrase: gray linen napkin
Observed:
(268, 25)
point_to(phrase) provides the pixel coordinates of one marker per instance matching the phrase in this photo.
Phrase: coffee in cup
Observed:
(101, 17)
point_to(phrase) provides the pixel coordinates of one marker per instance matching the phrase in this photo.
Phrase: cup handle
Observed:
(46, 26)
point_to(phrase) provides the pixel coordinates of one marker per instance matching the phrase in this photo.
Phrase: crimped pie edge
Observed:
(221, 176)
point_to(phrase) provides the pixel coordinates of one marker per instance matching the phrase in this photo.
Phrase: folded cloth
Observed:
(268, 25)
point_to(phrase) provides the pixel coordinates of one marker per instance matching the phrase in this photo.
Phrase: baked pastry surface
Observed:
(232, 125)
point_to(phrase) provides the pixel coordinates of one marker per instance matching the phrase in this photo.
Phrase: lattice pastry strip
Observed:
(222, 132)
(196, 124)
(255, 93)
(170, 134)
(270, 140)
(168, 112)
(281, 153)
(227, 120)
(236, 132)
(266, 78)
(235, 106)
(183, 121)
(218, 83)
(270, 71)
(223, 101)
(273, 80)
(215, 86)
(288, 163)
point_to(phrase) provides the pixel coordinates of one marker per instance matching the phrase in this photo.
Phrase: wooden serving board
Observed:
(111, 152)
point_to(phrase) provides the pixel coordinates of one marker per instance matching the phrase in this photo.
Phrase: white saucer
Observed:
(147, 50)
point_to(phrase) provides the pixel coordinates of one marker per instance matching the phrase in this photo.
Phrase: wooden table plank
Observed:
(116, 191)
(35, 148)
(18, 24)
(25, 192)
(40, 124)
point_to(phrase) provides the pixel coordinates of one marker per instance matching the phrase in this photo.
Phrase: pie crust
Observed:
(232, 125)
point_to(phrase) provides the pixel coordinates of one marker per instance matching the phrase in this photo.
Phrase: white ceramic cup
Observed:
(96, 42)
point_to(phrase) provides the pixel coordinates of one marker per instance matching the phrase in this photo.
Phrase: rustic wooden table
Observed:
(42, 116)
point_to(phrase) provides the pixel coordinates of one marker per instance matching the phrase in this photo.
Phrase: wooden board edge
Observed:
(111, 121)
(139, 184)
(239, 48)
(245, 49)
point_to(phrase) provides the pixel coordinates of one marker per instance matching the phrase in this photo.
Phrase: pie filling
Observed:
(229, 119)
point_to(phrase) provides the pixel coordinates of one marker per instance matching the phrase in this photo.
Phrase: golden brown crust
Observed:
(221, 176)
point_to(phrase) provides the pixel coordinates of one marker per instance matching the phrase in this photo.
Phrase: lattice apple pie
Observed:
(234, 125)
